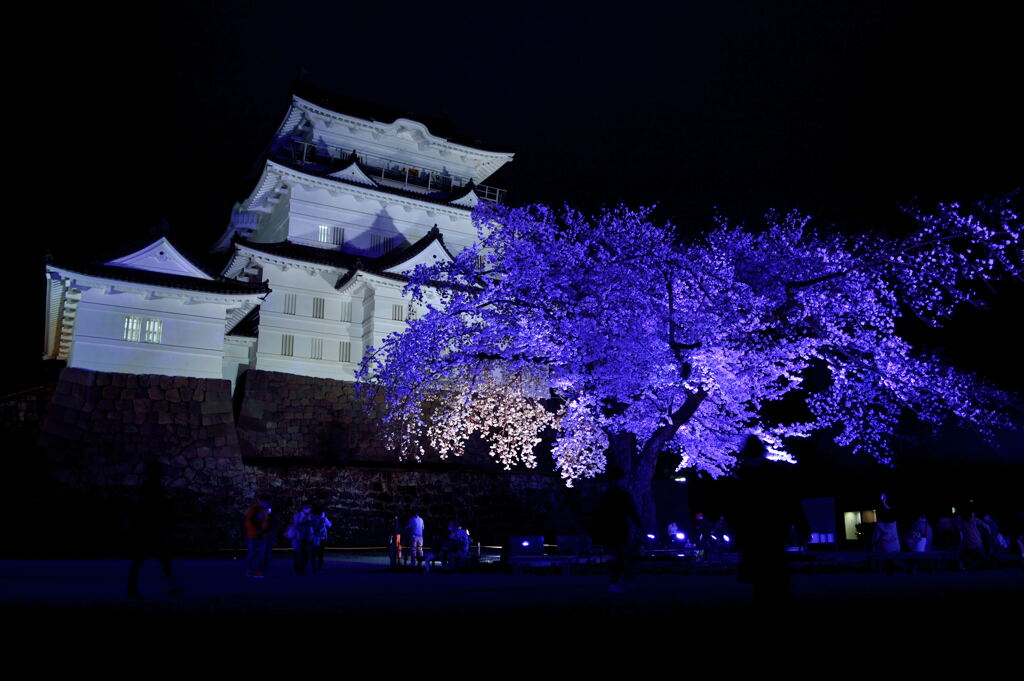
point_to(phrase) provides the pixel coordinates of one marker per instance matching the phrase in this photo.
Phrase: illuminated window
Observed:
(318, 308)
(154, 330)
(344, 351)
(132, 329)
(317, 349)
(398, 313)
(290, 300)
(287, 345)
(329, 234)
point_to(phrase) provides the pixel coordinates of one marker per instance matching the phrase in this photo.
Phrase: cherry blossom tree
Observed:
(628, 342)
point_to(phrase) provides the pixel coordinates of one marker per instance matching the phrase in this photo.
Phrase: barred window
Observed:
(318, 308)
(317, 349)
(329, 234)
(132, 328)
(346, 311)
(344, 351)
(290, 302)
(154, 330)
(287, 345)
(398, 313)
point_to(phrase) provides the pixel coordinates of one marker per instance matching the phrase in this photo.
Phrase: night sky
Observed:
(841, 109)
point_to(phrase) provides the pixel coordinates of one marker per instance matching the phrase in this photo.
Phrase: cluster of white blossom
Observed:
(503, 410)
(683, 344)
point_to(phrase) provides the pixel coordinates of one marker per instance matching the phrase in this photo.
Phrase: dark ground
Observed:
(365, 596)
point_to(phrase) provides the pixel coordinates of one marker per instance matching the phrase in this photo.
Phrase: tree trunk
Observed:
(639, 470)
(639, 465)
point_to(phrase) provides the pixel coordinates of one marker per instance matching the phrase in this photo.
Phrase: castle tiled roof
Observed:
(219, 285)
(350, 261)
(443, 199)
(350, 106)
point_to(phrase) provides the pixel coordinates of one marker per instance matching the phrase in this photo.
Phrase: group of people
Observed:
(307, 532)
(977, 541)
(406, 544)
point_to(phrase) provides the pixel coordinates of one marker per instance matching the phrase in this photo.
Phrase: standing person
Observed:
(416, 527)
(615, 512)
(150, 531)
(971, 542)
(320, 526)
(395, 543)
(272, 530)
(301, 534)
(762, 536)
(887, 537)
(257, 527)
(702, 535)
(920, 537)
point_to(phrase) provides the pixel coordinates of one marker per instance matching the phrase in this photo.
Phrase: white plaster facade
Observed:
(343, 207)
(150, 312)
(338, 187)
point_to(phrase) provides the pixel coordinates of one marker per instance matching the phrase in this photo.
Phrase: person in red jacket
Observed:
(257, 528)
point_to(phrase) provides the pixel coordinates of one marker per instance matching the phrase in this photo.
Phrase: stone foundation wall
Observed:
(103, 428)
(362, 501)
(283, 415)
(298, 440)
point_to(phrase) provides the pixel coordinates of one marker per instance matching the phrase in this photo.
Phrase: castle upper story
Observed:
(345, 175)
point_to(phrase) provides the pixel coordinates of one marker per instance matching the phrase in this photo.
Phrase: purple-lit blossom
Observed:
(599, 327)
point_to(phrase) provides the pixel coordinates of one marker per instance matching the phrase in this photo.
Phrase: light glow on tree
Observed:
(627, 341)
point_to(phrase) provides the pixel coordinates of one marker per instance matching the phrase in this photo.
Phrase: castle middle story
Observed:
(350, 199)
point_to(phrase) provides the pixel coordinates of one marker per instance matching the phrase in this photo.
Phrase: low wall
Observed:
(297, 440)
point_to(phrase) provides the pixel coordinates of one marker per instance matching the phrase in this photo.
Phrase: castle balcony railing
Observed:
(322, 157)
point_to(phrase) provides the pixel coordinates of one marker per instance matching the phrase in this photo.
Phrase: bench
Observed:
(932, 559)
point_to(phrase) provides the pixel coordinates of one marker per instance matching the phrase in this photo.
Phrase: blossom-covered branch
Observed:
(639, 338)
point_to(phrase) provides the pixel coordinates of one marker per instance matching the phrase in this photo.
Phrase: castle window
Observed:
(132, 329)
(287, 345)
(346, 311)
(154, 330)
(344, 351)
(290, 300)
(317, 350)
(398, 313)
(329, 234)
(318, 308)
(143, 330)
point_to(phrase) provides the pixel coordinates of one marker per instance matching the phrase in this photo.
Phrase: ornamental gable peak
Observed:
(160, 256)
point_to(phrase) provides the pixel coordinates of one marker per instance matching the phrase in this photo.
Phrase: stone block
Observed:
(172, 395)
(78, 376)
(155, 393)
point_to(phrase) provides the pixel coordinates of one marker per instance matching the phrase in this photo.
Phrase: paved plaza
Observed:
(364, 589)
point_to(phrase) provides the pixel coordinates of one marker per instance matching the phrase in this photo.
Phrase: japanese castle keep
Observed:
(238, 378)
(344, 206)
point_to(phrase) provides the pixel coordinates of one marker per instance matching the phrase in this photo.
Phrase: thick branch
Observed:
(679, 418)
